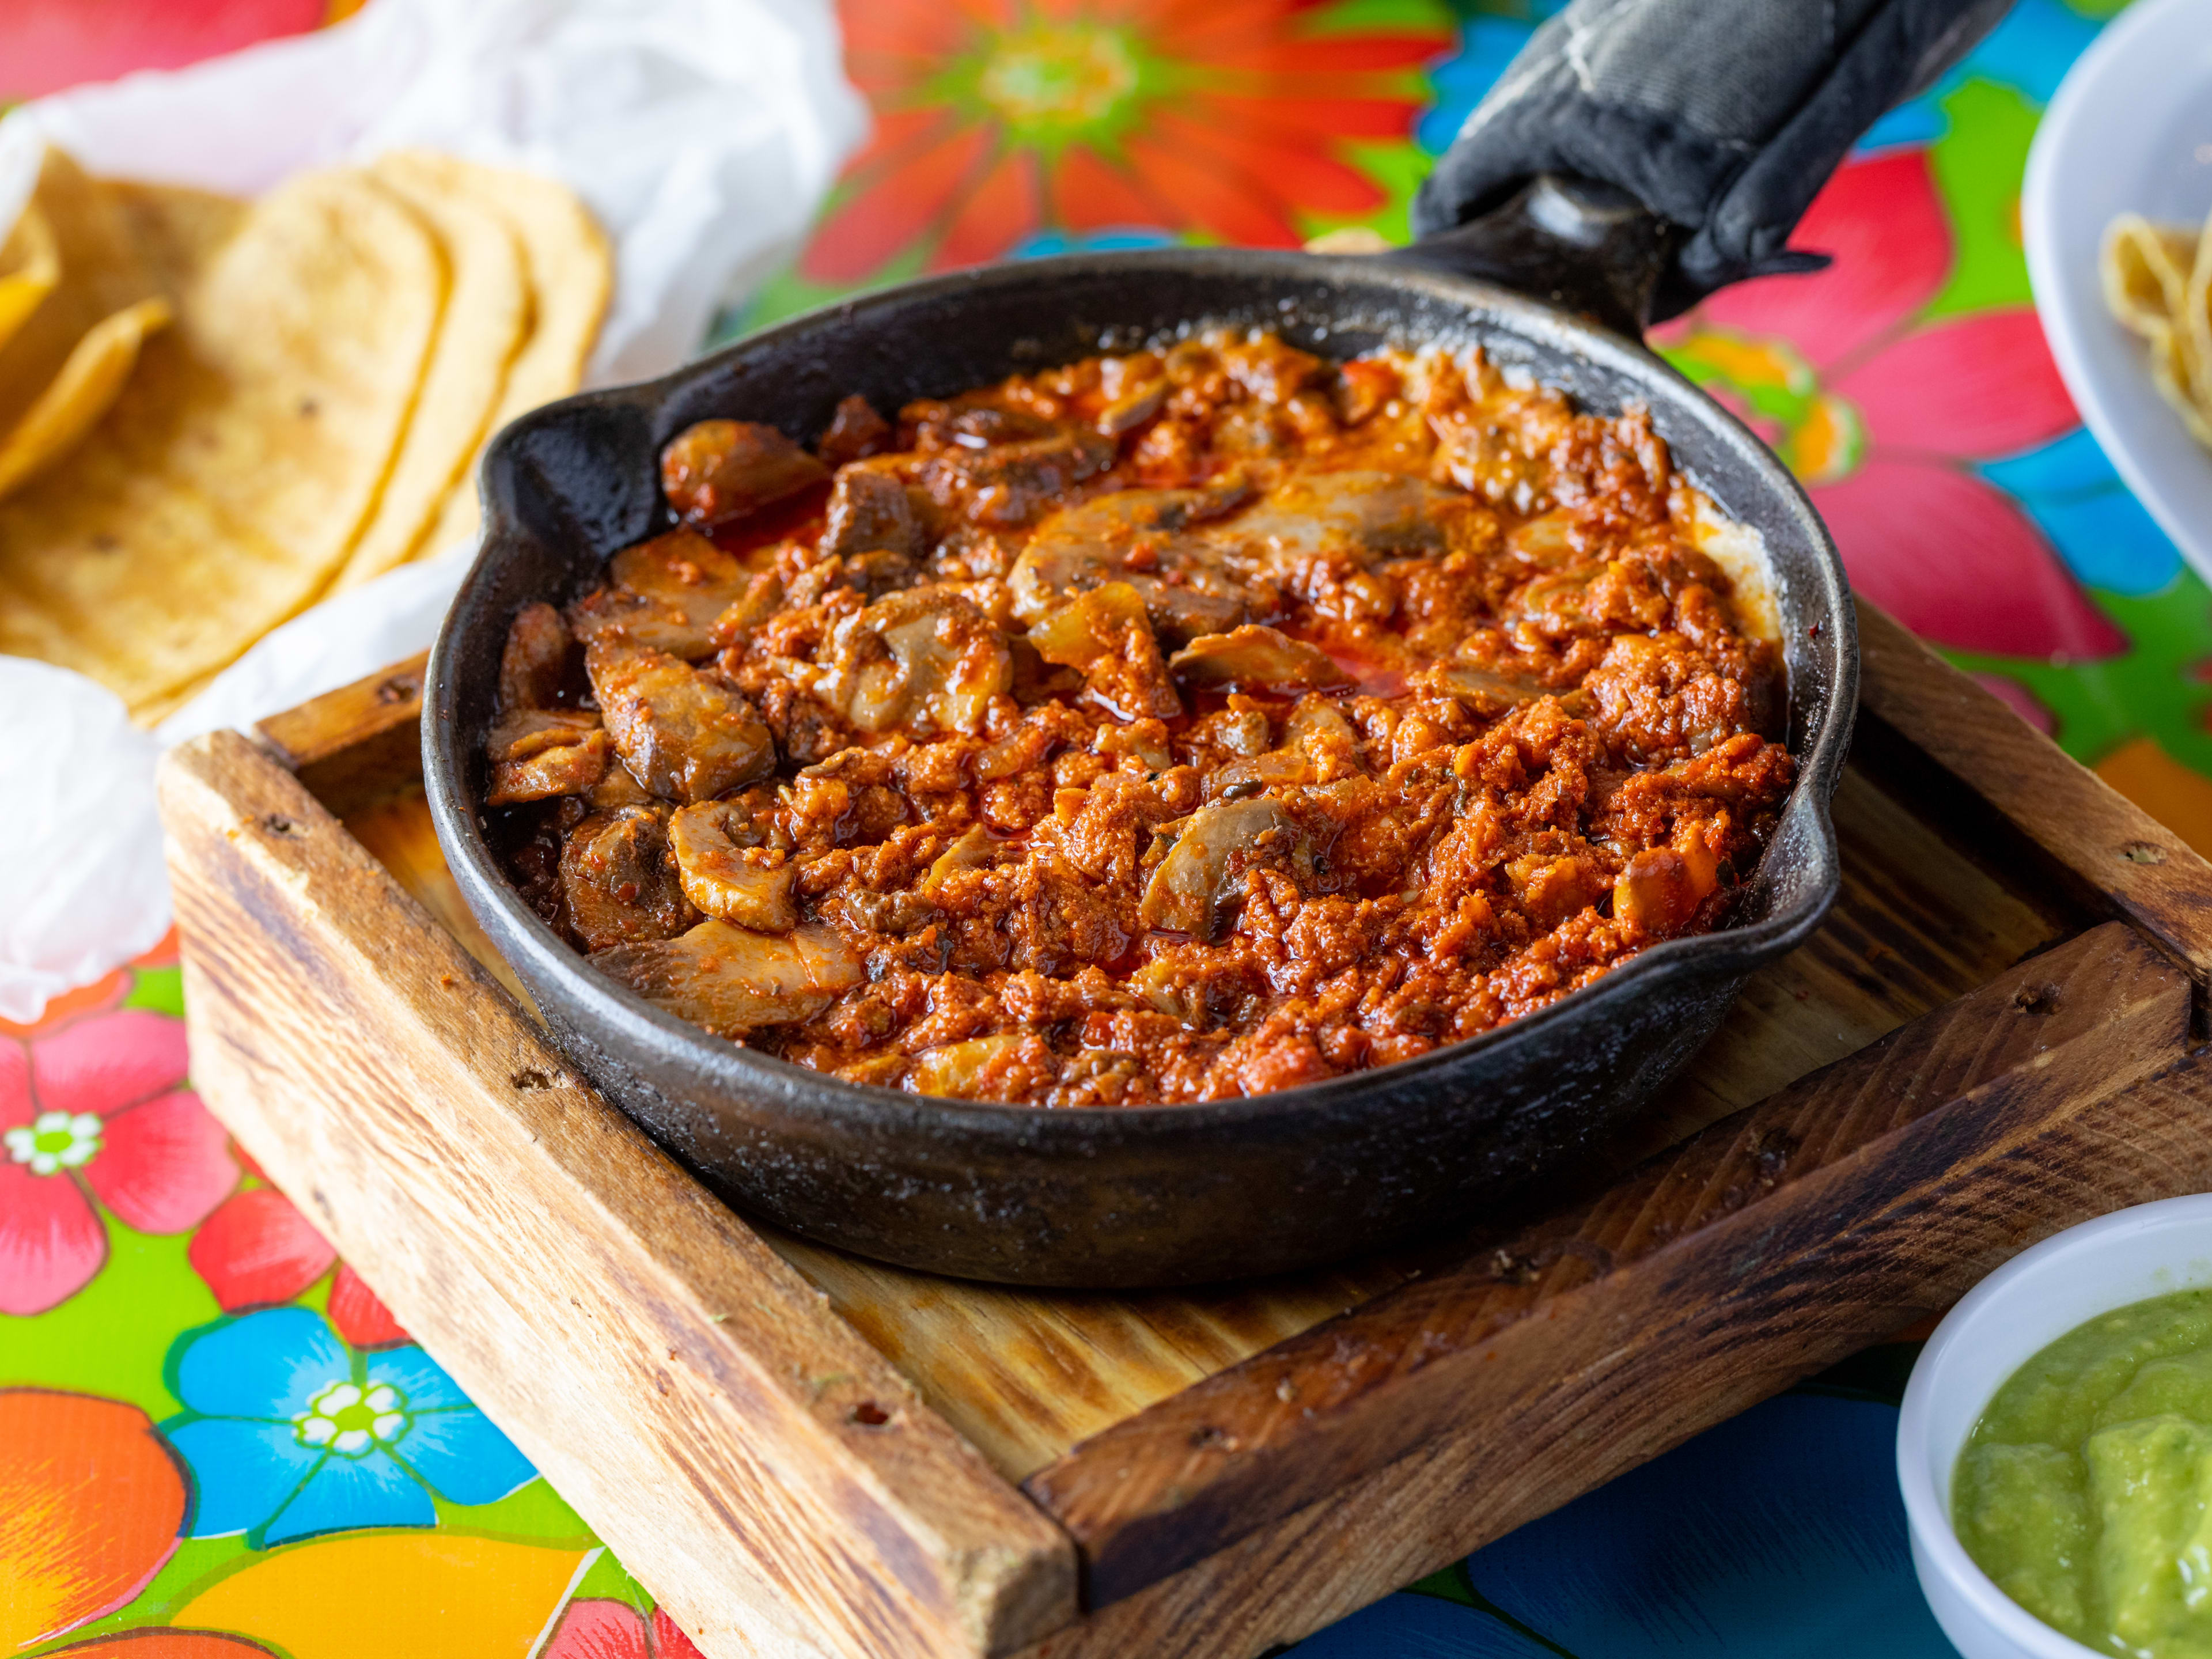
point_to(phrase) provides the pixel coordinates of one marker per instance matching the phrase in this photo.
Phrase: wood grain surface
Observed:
(2114, 850)
(1787, 1204)
(352, 744)
(679, 1384)
(394, 827)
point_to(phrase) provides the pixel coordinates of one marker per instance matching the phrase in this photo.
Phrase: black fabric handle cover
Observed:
(1725, 117)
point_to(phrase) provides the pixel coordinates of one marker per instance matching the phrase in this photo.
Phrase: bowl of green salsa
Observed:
(2055, 1447)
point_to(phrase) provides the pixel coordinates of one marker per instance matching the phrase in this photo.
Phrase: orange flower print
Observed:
(995, 119)
(92, 1502)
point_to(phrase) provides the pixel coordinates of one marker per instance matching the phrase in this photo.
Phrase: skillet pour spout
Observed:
(1153, 1195)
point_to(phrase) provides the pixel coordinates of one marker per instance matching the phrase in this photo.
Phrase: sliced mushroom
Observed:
(972, 851)
(616, 787)
(1661, 888)
(959, 1071)
(685, 735)
(1276, 768)
(1147, 538)
(726, 873)
(1255, 658)
(1107, 634)
(567, 770)
(1654, 892)
(1204, 871)
(1089, 626)
(1366, 514)
(718, 470)
(534, 658)
(1132, 408)
(1171, 991)
(1007, 484)
(686, 574)
(609, 617)
(538, 753)
(1318, 743)
(926, 659)
(1035, 680)
(621, 884)
(762, 598)
(729, 980)
(1490, 694)
(1318, 727)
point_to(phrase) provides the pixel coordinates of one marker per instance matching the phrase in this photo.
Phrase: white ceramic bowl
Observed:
(2130, 131)
(2023, 1307)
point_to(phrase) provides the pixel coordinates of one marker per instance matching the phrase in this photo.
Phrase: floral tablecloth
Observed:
(216, 1442)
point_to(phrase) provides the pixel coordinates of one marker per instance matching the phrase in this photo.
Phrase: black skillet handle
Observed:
(1640, 154)
(1582, 246)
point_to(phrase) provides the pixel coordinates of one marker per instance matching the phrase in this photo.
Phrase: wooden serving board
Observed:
(806, 1454)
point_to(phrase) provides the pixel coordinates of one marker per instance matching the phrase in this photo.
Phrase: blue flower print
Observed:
(289, 1432)
(1779, 1534)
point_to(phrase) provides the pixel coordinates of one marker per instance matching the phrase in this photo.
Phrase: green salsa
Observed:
(2085, 1492)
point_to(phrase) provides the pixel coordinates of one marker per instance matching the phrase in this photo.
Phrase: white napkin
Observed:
(704, 135)
(82, 889)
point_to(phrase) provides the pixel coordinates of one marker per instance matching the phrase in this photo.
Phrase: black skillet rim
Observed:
(792, 1089)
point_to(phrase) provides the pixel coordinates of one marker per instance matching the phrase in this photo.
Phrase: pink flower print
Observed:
(594, 1627)
(256, 1250)
(1883, 411)
(91, 1114)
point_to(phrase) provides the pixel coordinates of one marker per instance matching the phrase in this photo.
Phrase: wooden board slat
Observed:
(394, 827)
(351, 744)
(721, 1427)
(2114, 849)
(1481, 1348)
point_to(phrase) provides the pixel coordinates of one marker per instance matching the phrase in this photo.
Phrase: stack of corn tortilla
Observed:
(213, 413)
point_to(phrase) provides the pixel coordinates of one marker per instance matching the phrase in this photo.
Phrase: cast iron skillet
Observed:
(1164, 1194)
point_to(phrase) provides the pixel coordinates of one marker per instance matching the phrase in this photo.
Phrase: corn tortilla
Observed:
(30, 266)
(179, 231)
(99, 273)
(571, 276)
(487, 318)
(235, 474)
(73, 401)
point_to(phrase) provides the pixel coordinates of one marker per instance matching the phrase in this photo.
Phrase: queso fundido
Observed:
(1191, 723)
